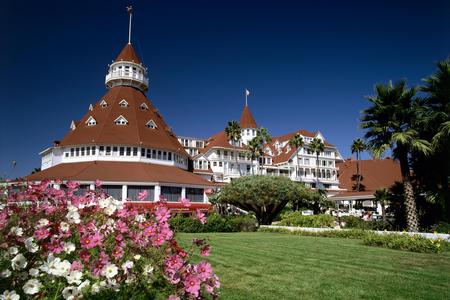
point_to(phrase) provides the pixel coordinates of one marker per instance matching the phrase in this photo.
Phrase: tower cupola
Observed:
(127, 69)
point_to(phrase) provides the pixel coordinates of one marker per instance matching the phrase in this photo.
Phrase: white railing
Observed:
(126, 75)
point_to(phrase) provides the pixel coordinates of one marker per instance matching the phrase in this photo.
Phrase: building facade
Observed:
(218, 159)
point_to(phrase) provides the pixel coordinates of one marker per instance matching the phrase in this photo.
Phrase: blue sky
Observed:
(308, 64)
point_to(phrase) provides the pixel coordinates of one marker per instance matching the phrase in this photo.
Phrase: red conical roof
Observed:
(128, 54)
(247, 120)
(138, 113)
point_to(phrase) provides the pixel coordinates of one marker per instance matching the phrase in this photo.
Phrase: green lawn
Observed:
(281, 266)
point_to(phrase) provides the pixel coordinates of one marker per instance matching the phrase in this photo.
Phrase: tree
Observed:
(233, 132)
(389, 125)
(297, 142)
(264, 138)
(358, 146)
(266, 196)
(255, 150)
(382, 196)
(317, 146)
(435, 126)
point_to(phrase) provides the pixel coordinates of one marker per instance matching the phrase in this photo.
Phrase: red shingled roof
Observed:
(134, 133)
(119, 172)
(288, 136)
(376, 174)
(247, 120)
(219, 140)
(128, 54)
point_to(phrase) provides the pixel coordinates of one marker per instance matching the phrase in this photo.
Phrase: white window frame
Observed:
(91, 121)
(123, 103)
(121, 121)
(151, 124)
(103, 104)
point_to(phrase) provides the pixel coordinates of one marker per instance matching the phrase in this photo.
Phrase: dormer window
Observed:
(151, 124)
(143, 106)
(91, 121)
(91, 108)
(103, 104)
(73, 125)
(123, 103)
(120, 121)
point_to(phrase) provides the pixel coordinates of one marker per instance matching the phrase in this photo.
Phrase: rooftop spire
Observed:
(247, 93)
(130, 12)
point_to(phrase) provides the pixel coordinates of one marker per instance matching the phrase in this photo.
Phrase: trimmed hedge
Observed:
(297, 219)
(214, 223)
(355, 222)
(406, 242)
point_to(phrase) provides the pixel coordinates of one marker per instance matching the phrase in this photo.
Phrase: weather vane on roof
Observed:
(130, 12)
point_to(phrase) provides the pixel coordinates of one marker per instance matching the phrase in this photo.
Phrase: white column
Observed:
(205, 198)
(124, 192)
(157, 193)
(183, 192)
(92, 187)
(379, 207)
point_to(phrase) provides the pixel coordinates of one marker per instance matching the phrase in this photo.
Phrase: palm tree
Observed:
(297, 142)
(388, 123)
(264, 138)
(255, 151)
(317, 146)
(357, 147)
(233, 132)
(382, 196)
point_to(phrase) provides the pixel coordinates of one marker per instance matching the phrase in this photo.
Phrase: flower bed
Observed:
(55, 244)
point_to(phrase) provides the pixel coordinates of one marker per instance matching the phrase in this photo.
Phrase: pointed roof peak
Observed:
(128, 54)
(247, 120)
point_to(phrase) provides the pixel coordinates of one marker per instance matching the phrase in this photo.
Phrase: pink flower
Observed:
(162, 214)
(142, 195)
(204, 270)
(185, 202)
(41, 233)
(174, 262)
(72, 184)
(173, 297)
(84, 255)
(121, 226)
(117, 252)
(158, 240)
(205, 251)
(98, 183)
(200, 216)
(89, 241)
(76, 266)
(162, 199)
(192, 284)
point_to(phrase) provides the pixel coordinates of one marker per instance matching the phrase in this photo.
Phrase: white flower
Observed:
(148, 269)
(30, 245)
(5, 273)
(16, 231)
(32, 286)
(33, 272)
(110, 270)
(110, 209)
(13, 250)
(84, 285)
(64, 226)
(62, 268)
(19, 262)
(95, 289)
(73, 216)
(69, 247)
(74, 277)
(139, 218)
(7, 295)
(127, 265)
(103, 203)
(42, 223)
(110, 222)
(49, 265)
(137, 257)
(70, 292)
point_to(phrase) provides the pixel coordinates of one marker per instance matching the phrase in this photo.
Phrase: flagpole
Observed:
(130, 11)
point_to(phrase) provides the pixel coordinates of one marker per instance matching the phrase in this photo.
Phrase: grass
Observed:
(277, 266)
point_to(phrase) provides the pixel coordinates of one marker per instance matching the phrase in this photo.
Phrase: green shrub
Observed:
(441, 227)
(348, 234)
(214, 223)
(355, 222)
(297, 219)
(415, 243)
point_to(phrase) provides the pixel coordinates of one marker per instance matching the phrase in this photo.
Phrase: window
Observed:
(121, 151)
(114, 191)
(133, 192)
(77, 152)
(93, 150)
(171, 193)
(170, 156)
(143, 106)
(151, 124)
(135, 151)
(128, 151)
(165, 155)
(88, 151)
(120, 121)
(91, 121)
(159, 154)
(218, 152)
(108, 150)
(114, 151)
(154, 154)
(123, 103)
(66, 154)
(215, 163)
(82, 151)
(72, 151)
(102, 150)
(220, 164)
(194, 195)
(103, 104)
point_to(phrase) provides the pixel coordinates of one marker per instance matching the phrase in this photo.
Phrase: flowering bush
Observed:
(55, 244)
(414, 243)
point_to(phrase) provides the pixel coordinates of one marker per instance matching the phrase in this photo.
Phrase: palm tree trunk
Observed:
(236, 158)
(317, 171)
(412, 220)
(383, 210)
